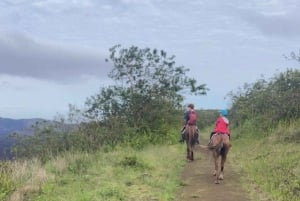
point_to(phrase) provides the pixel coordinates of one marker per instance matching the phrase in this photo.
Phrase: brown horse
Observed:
(190, 141)
(220, 146)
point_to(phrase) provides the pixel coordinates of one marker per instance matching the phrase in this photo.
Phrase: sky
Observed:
(52, 52)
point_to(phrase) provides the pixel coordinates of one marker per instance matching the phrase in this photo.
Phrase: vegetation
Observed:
(123, 174)
(268, 101)
(143, 107)
(112, 151)
(7, 184)
(270, 165)
(146, 97)
(265, 119)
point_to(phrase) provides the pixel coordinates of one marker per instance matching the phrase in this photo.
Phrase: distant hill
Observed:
(8, 126)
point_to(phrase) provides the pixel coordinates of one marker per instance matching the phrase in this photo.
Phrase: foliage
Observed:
(268, 101)
(49, 139)
(146, 97)
(265, 117)
(144, 106)
(270, 163)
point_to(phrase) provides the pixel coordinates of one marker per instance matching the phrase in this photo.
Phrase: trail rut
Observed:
(198, 183)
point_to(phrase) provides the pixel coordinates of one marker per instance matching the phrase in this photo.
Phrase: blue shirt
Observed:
(186, 116)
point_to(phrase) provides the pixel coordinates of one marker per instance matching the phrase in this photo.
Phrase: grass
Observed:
(7, 184)
(271, 165)
(123, 174)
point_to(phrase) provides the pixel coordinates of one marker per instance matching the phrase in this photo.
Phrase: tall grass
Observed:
(151, 173)
(20, 179)
(271, 164)
(7, 183)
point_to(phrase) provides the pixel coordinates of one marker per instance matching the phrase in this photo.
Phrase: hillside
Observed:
(8, 126)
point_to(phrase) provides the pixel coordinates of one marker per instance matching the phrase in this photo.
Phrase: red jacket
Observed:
(222, 125)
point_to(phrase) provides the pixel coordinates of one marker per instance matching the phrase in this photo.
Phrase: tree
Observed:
(268, 101)
(148, 90)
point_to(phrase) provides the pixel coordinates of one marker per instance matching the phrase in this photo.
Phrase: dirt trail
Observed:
(198, 182)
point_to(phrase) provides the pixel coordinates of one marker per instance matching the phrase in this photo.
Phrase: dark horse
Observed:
(190, 141)
(220, 146)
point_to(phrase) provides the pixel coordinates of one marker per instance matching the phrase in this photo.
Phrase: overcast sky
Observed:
(52, 52)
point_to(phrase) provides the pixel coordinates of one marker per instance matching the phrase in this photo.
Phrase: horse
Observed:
(190, 141)
(220, 146)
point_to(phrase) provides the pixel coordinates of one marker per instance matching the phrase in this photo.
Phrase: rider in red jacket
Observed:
(221, 125)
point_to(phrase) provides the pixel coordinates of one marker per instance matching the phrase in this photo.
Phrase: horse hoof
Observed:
(217, 182)
(221, 177)
(214, 173)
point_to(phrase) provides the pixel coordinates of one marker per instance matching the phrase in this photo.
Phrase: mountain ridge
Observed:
(9, 126)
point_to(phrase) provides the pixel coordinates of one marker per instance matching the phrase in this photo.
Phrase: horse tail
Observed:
(222, 151)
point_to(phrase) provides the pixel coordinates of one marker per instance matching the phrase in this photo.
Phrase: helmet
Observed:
(223, 112)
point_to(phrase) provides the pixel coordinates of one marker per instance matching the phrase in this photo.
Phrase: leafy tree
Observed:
(148, 90)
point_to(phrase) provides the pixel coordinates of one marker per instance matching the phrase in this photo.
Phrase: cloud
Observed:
(273, 18)
(22, 56)
(276, 24)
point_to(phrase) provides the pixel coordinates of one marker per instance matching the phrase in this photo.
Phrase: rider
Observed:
(221, 125)
(186, 118)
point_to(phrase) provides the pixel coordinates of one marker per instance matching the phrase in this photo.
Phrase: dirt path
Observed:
(198, 182)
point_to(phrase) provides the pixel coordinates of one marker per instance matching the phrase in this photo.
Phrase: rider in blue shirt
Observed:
(186, 117)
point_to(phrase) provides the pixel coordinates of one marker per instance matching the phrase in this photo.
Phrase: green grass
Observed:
(271, 165)
(7, 185)
(124, 174)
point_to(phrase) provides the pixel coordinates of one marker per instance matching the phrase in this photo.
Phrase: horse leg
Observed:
(216, 171)
(224, 156)
(192, 148)
(216, 164)
(190, 154)
(221, 176)
(187, 152)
